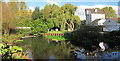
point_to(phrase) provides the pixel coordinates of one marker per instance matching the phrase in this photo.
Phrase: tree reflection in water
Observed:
(41, 49)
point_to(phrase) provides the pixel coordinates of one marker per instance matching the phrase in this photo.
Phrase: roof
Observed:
(115, 19)
(96, 20)
(99, 11)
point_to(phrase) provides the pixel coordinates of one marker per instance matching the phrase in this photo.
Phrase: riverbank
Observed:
(55, 35)
(55, 38)
(10, 48)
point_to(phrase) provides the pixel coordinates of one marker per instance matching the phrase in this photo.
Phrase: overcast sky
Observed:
(81, 4)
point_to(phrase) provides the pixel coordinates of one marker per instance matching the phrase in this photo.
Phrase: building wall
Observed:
(88, 17)
(110, 28)
(110, 25)
(101, 22)
(97, 16)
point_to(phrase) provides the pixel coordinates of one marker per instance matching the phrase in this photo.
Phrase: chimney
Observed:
(95, 10)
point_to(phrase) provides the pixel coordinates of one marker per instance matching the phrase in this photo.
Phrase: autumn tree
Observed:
(9, 16)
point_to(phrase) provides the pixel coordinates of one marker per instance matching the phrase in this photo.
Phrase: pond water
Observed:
(42, 48)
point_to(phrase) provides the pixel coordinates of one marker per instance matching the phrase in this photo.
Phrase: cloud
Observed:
(51, 2)
(81, 9)
(59, 1)
(31, 8)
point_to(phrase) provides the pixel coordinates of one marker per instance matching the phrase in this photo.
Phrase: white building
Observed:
(96, 17)
(93, 14)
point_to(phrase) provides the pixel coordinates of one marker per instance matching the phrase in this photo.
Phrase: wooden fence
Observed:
(54, 34)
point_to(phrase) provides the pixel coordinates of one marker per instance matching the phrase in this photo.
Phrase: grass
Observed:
(60, 38)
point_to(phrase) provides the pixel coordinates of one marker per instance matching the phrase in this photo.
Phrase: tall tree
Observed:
(30, 13)
(23, 13)
(69, 11)
(36, 13)
(9, 17)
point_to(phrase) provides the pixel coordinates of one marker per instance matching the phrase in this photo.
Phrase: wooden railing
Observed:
(54, 34)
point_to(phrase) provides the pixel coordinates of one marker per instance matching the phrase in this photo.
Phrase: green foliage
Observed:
(109, 12)
(39, 26)
(18, 40)
(23, 32)
(50, 23)
(36, 13)
(55, 16)
(8, 51)
(9, 48)
(77, 22)
(86, 34)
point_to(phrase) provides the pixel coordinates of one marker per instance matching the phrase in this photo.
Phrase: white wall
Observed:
(97, 16)
(100, 22)
(88, 18)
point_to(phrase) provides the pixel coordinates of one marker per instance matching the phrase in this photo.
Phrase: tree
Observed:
(36, 13)
(9, 16)
(109, 12)
(23, 13)
(106, 10)
(77, 22)
(50, 24)
(69, 11)
(60, 16)
(39, 26)
(112, 12)
(30, 13)
(50, 14)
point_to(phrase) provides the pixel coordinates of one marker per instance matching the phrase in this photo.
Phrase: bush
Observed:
(24, 32)
(85, 34)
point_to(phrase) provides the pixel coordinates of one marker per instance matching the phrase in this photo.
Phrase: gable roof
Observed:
(96, 20)
(110, 22)
(99, 11)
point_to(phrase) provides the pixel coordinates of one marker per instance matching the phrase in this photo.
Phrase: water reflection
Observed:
(41, 48)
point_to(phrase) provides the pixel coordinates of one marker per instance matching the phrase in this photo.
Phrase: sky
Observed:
(81, 4)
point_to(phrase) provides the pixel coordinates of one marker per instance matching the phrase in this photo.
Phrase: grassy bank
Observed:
(55, 37)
